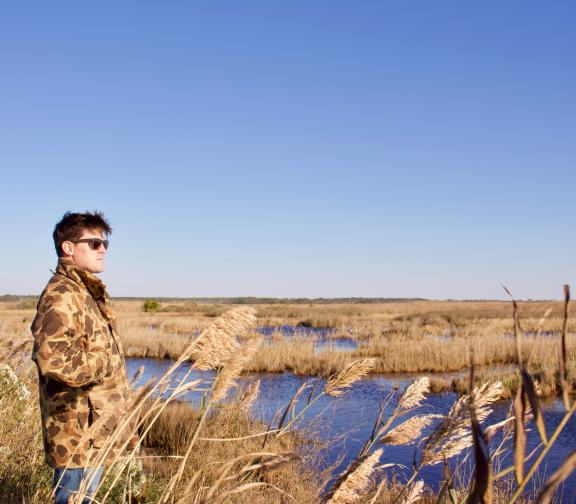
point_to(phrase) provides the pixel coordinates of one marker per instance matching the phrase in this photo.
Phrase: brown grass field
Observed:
(216, 453)
(404, 337)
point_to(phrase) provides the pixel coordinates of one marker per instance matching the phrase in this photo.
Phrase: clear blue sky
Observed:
(294, 148)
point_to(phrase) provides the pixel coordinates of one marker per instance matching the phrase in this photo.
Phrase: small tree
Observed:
(151, 305)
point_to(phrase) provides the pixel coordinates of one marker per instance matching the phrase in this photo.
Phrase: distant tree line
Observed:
(269, 300)
(12, 298)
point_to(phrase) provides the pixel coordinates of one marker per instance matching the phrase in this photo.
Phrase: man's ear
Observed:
(67, 248)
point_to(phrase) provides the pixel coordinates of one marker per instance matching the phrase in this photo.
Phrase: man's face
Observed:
(83, 256)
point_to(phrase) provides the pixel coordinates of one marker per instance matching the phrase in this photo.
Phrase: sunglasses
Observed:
(93, 243)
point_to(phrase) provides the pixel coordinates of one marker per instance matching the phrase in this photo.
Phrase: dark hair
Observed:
(72, 226)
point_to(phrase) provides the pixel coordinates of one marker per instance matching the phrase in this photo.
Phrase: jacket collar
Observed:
(93, 284)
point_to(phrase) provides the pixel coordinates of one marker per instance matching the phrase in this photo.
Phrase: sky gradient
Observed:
(305, 149)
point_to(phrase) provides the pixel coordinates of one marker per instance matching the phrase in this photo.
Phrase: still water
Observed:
(322, 337)
(343, 424)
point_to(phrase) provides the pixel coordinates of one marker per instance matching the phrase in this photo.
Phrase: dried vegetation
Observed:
(216, 453)
(403, 337)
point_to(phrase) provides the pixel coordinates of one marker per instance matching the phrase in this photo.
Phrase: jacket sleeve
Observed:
(59, 348)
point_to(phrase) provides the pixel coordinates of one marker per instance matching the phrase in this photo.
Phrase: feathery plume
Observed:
(408, 431)
(415, 493)
(347, 377)
(249, 396)
(137, 375)
(216, 345)
(10, 380)
(484, 396)
(415, 393)
(229, 373)
(491, 430)
(356, 483)
(453, 435)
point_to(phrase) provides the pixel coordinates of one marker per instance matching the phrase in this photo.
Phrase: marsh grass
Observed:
(217, 454)
(25, 478)
(23, 474)
(410, 337)
(218, 433)
(227, 435)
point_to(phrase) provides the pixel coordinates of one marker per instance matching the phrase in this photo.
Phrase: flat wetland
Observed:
(306, 343)
(432, 337)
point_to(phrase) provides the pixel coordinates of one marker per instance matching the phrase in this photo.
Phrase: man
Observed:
(84, 390)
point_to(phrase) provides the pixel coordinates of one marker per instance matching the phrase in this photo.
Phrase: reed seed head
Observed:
(408, 431)
(249, 396)
(10, 381)
(231, 371)
(453, 435)
(219, 342)
(415, 393)
(356, 483)
(347, 377)
(137, 375)
(416, 493)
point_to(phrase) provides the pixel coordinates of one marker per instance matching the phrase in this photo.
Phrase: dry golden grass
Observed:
(228, 455)
(23, 474)
(171, 434)
(407, 337)
(229, 440)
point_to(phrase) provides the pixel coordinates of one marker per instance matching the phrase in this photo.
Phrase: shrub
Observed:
(151, 305)
(27, 304)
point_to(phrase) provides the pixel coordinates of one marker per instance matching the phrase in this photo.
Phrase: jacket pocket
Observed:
(104, 416)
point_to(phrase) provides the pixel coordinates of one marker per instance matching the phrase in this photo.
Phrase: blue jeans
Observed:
(68, 481)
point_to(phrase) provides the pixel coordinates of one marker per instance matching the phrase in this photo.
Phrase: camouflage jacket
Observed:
(81, 369)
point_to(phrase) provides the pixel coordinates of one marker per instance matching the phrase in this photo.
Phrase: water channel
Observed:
(343, 424)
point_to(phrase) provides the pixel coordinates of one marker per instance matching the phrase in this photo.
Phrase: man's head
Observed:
(79, 237)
